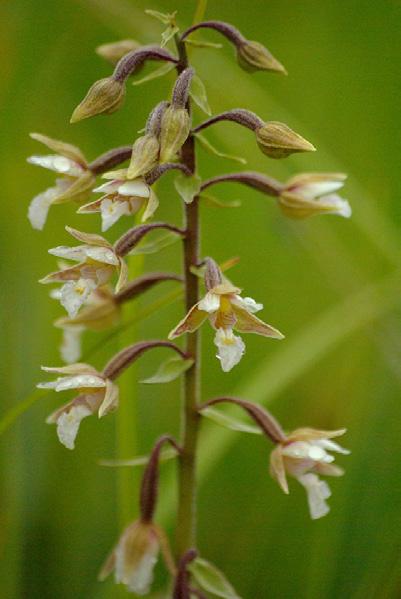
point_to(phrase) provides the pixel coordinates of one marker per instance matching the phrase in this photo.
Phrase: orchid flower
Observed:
(75, 180)
(97, 261)
(96, 394)
(304, 454)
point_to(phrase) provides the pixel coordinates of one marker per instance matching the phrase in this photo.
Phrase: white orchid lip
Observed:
(73, 295)
(340, 206)
(111, 212)
(230, 348)
(68, 424)
(39, 207)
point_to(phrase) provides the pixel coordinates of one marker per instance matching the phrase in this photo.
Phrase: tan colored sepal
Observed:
(110, 401)
(72, 369)
(78, 190)
(225, 288)
(253, 56)
(60, 147)
(277, 140)
(277, 469)
(145, 153)
(249, 323)
(151, 206)
(313, 434)
(297, 207)
(122, 276)
(89, 238)
(190, 323)
(175, 128)
(113, 51)
(104, 97)
(97, 317)
(72, 273)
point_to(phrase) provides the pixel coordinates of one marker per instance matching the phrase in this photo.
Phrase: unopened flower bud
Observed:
(253, 56)
(277, 140)
(145, 153)
(175, 128)
(104, 97)
(116, 50)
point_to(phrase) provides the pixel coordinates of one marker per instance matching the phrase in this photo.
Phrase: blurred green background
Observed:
(333, 286)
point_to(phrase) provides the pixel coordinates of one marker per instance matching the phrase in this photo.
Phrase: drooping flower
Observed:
(313, 193)
(100, 313)
(75, 180)
(123, 196)
(226, 311)
(134, 557)
(304, 454)
(96, 394)
(97, 264)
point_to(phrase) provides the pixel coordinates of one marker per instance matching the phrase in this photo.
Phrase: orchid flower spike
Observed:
(314, 193)
(100, 313)
(96, 394)
(75, 180)
(122, 196)
(97, 263)
(226, 311)
(304, 454)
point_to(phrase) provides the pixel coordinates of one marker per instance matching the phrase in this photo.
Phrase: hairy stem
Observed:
(186, 530)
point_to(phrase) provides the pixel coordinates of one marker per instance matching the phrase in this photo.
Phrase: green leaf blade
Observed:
(199, 95)
(169, 370)
(211, 579)
(188, 187)
(209, 147)
(159, 72)
(158, 243)
(228, 421)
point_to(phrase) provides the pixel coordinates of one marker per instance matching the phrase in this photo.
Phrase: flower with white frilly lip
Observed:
(134, 557)
(226, 311)
(97, 262)
(122, 196)
(75, 180)
(314, 193)
(304, 455)
(96, 394)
